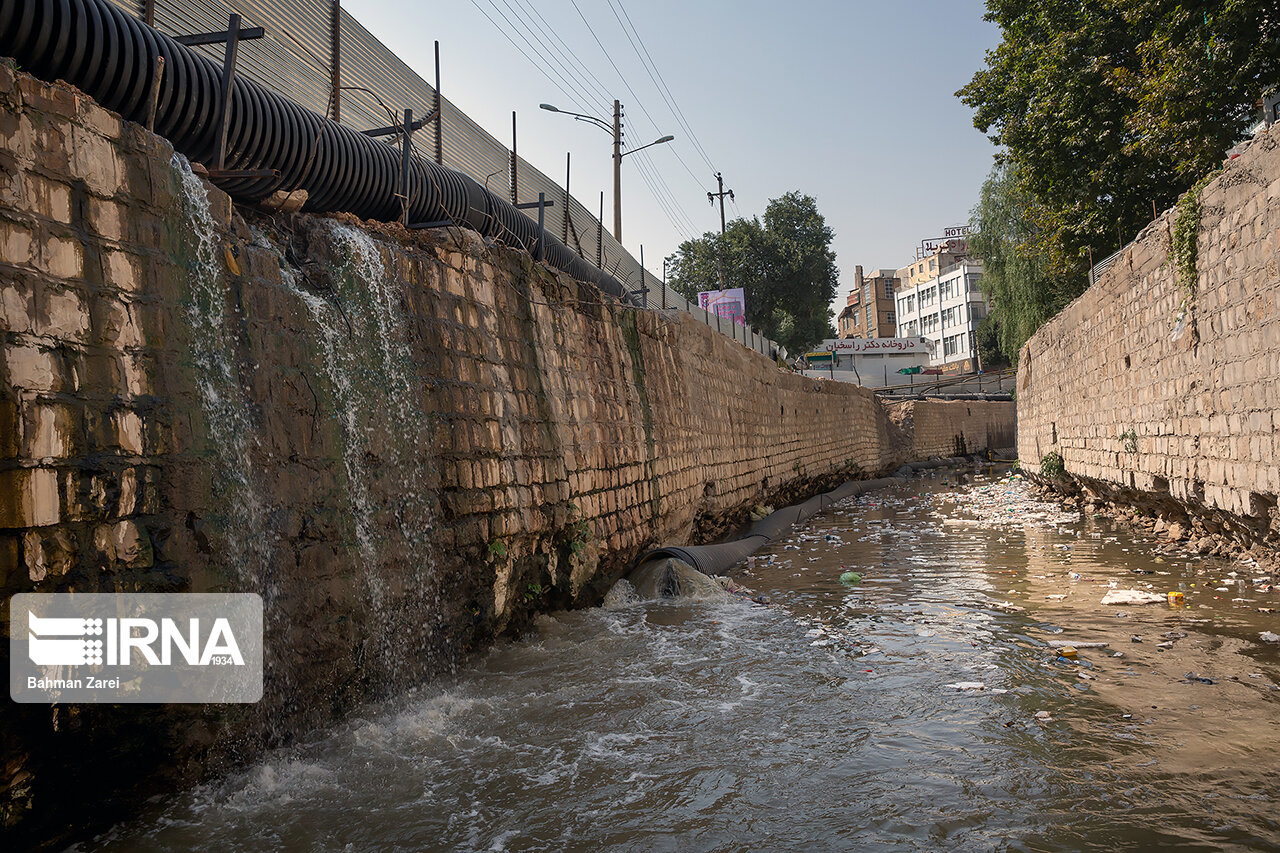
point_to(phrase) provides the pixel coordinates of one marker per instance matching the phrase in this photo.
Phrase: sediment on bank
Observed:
(1183, 530)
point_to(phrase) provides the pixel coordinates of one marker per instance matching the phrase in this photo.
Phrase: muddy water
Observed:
(840, 717)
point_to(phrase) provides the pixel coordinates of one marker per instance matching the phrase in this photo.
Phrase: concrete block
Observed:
(29, 498)
(33, 369)
(16, 245)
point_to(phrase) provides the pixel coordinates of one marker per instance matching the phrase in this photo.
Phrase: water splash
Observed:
(237, 506)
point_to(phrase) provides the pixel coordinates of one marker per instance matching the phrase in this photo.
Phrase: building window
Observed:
(888, 289)
(854, 321)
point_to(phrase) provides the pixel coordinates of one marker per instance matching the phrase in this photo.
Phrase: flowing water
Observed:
(925, 707)
(242, 531)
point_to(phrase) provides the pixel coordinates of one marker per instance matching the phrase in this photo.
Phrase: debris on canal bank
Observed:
(1178, 531)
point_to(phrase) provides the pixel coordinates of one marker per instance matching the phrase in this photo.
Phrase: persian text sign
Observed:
(879, 345)
(730, 304)
(135, 647)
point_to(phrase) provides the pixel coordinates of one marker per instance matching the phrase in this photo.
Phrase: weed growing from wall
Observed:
(1183, 251)
(1051, 465)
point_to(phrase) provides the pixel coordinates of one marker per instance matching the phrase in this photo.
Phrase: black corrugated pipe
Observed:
(111, 55)
(717, 559)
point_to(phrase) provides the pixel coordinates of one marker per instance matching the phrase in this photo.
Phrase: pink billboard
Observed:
(730, 304)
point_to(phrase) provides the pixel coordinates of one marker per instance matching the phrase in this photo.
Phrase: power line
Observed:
(582, 94)
(636, 98)
(671, 195)
(657, 174)
(664, 202)
(659, 83)
(549, 32)
(559, 56)
(537, 65)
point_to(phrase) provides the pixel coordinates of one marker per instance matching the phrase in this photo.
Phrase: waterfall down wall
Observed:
(405, 442)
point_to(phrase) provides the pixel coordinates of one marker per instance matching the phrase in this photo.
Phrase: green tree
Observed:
(1105, 109)
(1203, 67)
(784, 265)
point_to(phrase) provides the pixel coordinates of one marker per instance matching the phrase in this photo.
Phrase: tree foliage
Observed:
(1105, 110)
(784, 264)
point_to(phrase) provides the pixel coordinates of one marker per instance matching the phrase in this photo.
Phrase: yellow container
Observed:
(1177, 599)
(1068, 652)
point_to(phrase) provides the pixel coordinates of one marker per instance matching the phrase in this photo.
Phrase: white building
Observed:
(946, 308)
(870, 362)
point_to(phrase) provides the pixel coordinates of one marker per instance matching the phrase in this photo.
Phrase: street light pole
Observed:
(618, 154)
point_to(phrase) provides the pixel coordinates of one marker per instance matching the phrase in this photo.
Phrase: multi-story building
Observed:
(870, 311)
(942, 300)
(926, 267)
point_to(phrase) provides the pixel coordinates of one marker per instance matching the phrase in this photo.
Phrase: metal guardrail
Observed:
(295, 60)
(1103, 265)
(992, 382)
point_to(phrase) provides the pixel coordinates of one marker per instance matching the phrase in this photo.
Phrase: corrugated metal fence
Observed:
(294, 59)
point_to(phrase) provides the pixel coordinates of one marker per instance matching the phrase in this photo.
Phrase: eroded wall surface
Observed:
(941, 428)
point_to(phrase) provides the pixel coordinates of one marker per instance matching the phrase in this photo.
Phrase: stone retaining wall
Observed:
(941, 428)
(406, 442)
(1140, 389)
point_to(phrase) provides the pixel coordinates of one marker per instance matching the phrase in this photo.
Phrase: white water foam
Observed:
(247, 544)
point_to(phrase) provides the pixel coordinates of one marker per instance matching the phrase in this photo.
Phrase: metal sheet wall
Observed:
(294, 59)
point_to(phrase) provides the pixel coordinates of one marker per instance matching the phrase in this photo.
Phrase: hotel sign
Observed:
(953, 239)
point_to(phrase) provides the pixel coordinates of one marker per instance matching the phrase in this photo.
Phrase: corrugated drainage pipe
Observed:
(111, 55)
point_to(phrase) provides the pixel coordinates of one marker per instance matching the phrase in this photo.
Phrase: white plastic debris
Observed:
(1268, 637)
(968, 685)
(1132, 596)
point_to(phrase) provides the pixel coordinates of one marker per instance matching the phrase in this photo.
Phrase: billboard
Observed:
(730, 304)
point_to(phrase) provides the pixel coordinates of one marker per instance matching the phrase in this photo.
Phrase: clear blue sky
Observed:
(850, 102)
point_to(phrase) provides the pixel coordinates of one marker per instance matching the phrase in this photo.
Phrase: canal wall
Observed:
(944, 428)
(1154, 393)
(406, 442)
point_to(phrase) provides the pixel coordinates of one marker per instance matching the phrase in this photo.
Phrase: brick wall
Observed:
(406, 442)
(1133, 395)
(941, 428)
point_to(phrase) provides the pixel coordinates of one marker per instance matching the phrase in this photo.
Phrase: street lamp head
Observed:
(549, 108)
(664, 139)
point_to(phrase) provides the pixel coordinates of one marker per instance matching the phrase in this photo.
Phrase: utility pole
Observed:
(617, 171)
(711, 197)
